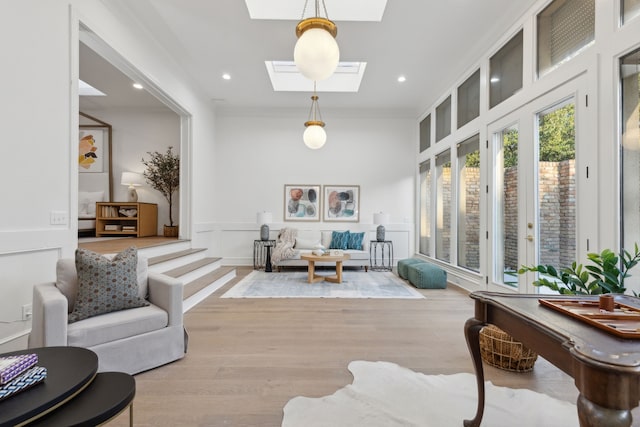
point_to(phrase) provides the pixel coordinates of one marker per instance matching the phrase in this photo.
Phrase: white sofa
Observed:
(132, 340)
(307, 241)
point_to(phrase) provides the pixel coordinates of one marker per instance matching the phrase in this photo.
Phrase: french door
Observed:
(533, 188)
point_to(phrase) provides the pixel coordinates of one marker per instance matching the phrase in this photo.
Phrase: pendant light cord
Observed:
(317, 7)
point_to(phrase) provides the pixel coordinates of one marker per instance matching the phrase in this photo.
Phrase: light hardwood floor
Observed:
(248, 357)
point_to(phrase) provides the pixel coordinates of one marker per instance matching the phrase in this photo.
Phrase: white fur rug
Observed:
(384, 394)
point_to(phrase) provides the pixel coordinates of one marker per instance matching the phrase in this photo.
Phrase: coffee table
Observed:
(605, 368)
(312, 259)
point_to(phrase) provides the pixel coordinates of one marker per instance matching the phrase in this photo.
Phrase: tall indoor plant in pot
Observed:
(163, 174)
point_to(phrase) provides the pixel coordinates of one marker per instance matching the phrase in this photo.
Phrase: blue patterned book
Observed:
(31, 377)
(12, 366)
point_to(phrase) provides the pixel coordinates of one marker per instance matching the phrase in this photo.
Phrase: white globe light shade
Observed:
(316, 54)
(314, 137)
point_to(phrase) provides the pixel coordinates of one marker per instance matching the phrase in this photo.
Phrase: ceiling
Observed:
(430, 42)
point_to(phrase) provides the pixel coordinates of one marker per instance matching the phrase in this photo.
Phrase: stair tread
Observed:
(173, 255)
(202, 282)
(192, 266)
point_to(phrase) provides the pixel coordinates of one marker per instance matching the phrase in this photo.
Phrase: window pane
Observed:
(469, 99)
(425, 208)
(630, 175)
(506, 207)
(425, 133)
(443, 206)
(630, 9)
(443, 119)
(469, 203)
(505, 71)
(557, 186)
(564, 27)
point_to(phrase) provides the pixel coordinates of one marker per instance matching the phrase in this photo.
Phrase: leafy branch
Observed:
(163, 174)
(606, 275)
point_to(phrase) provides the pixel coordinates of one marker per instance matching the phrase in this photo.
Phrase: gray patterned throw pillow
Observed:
(106, 285)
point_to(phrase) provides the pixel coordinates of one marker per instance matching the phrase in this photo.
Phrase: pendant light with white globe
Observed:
(314, 135)
(316, 53)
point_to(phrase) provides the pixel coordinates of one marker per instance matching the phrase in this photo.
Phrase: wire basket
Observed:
(499, 349)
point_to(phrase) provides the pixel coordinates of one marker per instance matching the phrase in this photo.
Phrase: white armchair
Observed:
(131, 340)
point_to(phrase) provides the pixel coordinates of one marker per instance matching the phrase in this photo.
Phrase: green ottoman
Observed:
(427, 276)
(403, 264)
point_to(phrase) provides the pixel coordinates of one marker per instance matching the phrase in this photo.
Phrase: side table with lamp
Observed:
(381, 250)
(262, 247)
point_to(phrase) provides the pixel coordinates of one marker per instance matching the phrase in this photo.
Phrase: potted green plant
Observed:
(163, 174)
(606, 275)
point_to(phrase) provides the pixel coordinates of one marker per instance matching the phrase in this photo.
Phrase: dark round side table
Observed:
(69, 371)
(72, 394)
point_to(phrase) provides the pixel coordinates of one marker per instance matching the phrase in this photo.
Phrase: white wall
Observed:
(258, 154)
(38, 129)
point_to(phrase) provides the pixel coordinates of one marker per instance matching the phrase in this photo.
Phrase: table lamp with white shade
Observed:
(264, 218)
(381, 219)
(132, 180)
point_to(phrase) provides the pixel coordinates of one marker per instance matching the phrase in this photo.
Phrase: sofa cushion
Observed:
(339, 240)
(306, 243)
(355, 241)
(105, 285)
(357, 255)
(116, 325)
(67, 278)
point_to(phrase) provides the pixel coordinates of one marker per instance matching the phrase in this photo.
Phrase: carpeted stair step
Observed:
(172, 260)
(200, 288)
(202, 282)
(191, 267)
(173, 255)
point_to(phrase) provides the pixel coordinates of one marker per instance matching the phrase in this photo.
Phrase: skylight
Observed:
(285, 77)
(85, 89)
(339, 10)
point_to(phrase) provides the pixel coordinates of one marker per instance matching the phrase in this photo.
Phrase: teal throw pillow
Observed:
(106, 285)
(339, 240)
(355, 241)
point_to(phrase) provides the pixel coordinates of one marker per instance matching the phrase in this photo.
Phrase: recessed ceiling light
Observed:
(226, 76)
(137, 85)
(402, 79)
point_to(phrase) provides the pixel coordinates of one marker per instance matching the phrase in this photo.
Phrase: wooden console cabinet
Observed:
(111, 221)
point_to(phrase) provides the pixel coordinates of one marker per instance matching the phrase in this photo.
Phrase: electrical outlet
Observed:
(27, 312)
(58, 218)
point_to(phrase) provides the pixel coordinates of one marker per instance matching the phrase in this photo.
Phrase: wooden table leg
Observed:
(592, 415)
(472, 334)
(312, 270)
(338, 271)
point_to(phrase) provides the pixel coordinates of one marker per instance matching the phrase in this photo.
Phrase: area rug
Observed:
(290, 284)
(384, 394)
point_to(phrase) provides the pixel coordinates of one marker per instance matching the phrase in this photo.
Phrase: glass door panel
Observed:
(506, 206)
(556, 188)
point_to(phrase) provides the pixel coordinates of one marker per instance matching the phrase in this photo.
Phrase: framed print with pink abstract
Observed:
(302, 202)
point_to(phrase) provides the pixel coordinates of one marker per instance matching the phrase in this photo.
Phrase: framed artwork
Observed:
(341, 203)
(302, 202)
(94, 157)
(93, 149)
